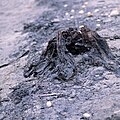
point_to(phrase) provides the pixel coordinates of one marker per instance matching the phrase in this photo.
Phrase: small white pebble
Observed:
(106, 14)
(86, 3)
(111, 63)
(89, 14)
(72, 17)
(103, 15)
(33, 43)
(49, 104)
(98, 20)
(115, 112)
(97, 75)
(98, 25)
(56, 20)
(81, 26)
(66, 13)
(96, 10)
(72, 10)
(81, 11)
(65, 5)
(83, 6)
(86, 115)
(115, 12)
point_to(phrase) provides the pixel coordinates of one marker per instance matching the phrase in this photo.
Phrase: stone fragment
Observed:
(66, 13)
(83, 6)
(65, 5)
(86, 3)
(72, 11)
(98, 20)
(115, 12)
(81, 11)
(72, 17)
(49, 103)
(89, 14)
(98, 25)
(86, 115)
(96, 10)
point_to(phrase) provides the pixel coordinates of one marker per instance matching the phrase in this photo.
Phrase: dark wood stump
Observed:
(58, 57)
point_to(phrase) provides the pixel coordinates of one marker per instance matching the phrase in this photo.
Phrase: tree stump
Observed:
(59, 56)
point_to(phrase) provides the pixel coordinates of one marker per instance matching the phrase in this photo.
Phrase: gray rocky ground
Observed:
(25, 28)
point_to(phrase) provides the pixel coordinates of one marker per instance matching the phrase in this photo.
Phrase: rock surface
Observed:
(95, 92)
(71, 52)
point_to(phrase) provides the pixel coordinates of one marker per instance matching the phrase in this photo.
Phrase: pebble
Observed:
(86, 3)
(81, 26)
(49, 103)
(81, 11)
(86, 115)
(73, 94)
(98, 20)
(56, 20)
(72, 11)
(116, 37)
(96, 10)
(89, 14)
(115, 12)
(115, 112)
(66, 13)
(105, 15)
(97, 75)
(65, 5)
(83, 6)
(98, 25)
(72, 17)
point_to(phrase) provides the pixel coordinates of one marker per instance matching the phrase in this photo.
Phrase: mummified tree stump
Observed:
(58, 57)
